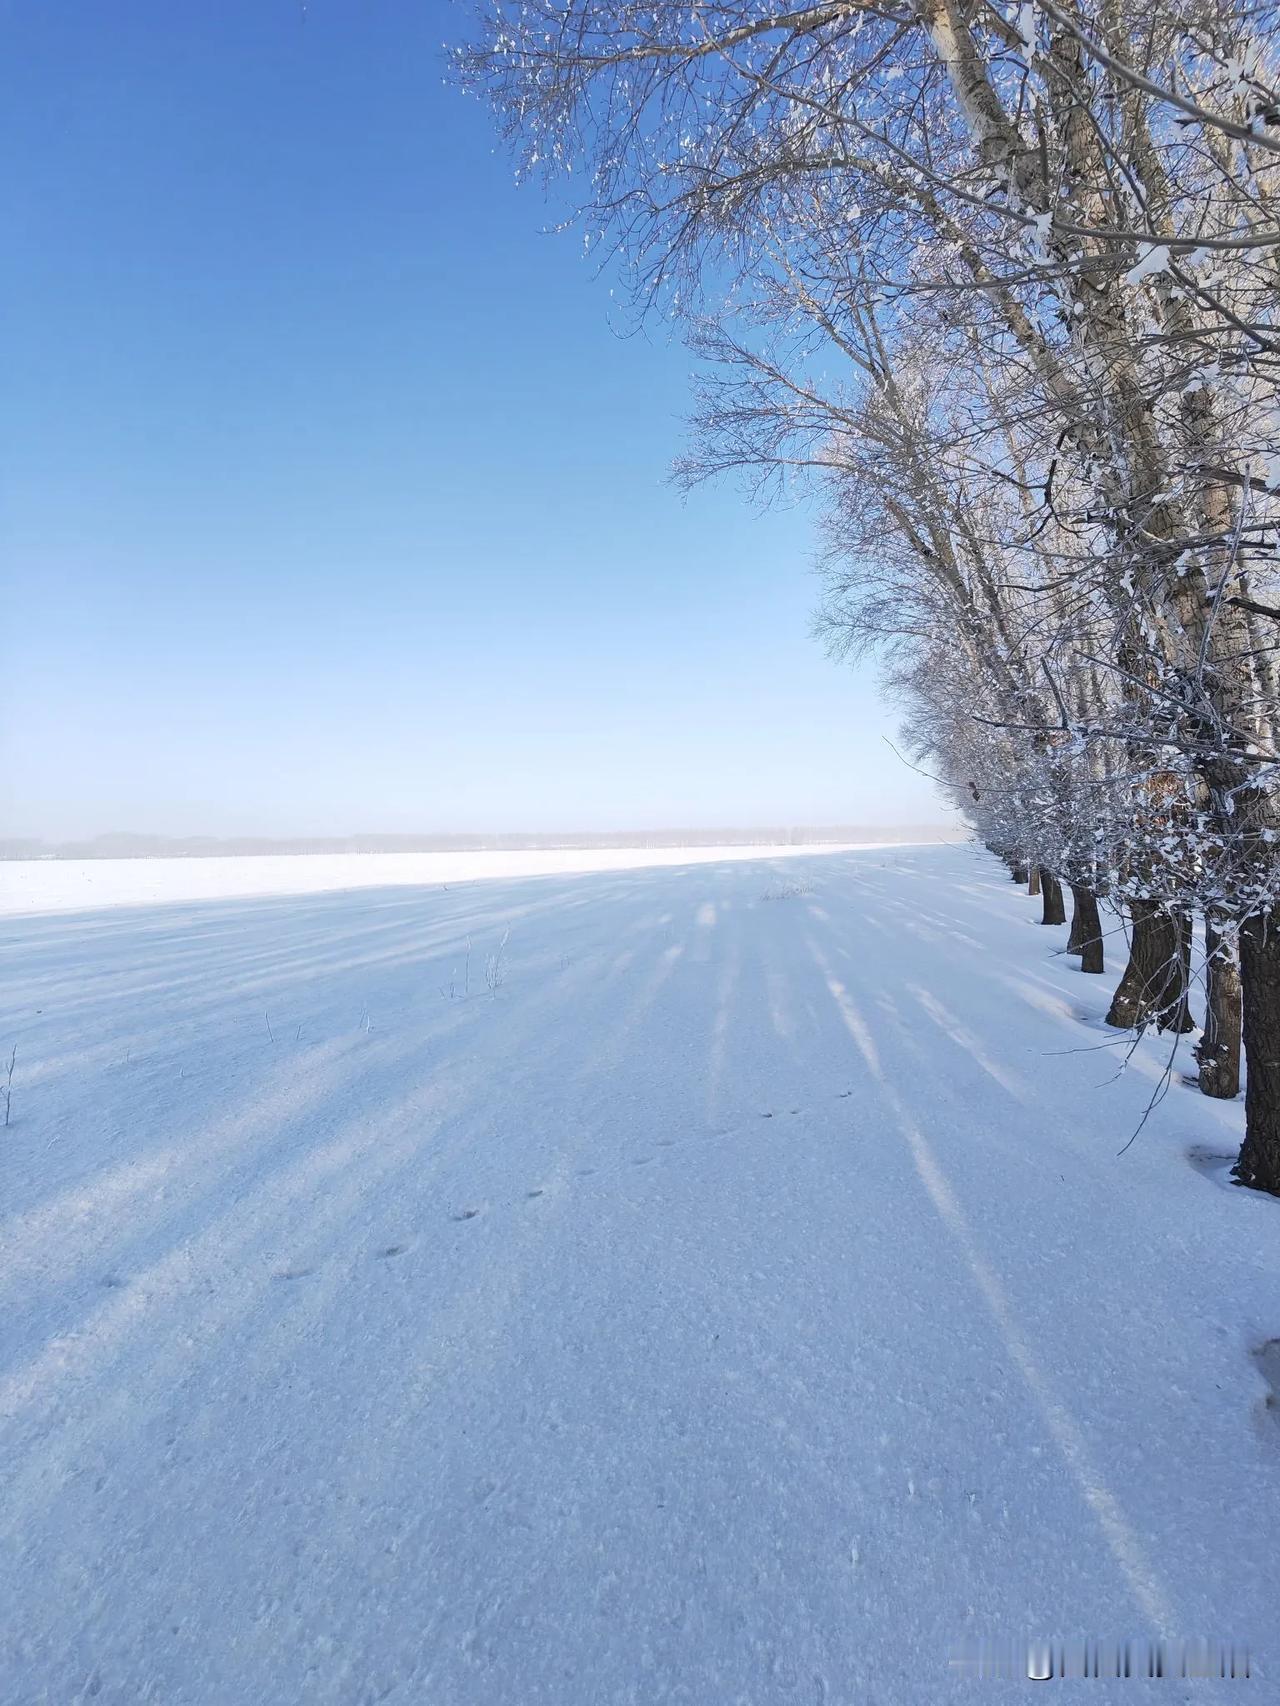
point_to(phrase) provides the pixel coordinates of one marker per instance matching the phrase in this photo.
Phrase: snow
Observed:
(745, 1301)
(61, 885)
(1152, 258)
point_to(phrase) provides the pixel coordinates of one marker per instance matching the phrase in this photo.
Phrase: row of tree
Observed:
(1003, 285)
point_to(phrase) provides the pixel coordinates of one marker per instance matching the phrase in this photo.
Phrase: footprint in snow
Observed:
(392, 1250)
(465, 1214)
(641, 1160)
(293, 1273)
(529, 1195)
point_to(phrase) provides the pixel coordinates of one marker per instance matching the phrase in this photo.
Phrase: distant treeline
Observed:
(207, 846)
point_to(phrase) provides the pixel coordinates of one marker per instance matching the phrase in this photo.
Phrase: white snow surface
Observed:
(72, 885)
(742, 1302)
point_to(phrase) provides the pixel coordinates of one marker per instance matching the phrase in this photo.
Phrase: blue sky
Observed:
(332, 498)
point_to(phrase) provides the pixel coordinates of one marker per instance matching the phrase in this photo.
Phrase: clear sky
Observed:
(332, 499)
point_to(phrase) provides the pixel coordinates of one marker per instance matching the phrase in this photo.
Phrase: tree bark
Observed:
(1073, 935)
(1154, 985)
(1033, 881)
(1020, 872)
(1258, 1163)
(1051, 889)
(1086, 929)
(1218, 1050)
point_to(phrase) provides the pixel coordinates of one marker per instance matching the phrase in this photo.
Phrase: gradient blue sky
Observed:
(331, 500)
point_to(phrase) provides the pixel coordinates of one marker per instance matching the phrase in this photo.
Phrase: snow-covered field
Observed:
(74, 885)
(740, 1302)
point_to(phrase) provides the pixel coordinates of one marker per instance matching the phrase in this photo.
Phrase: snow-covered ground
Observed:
(74, 885)
(741, 1302)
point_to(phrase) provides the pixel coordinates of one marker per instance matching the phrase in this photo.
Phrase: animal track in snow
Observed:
(388, 1252)
(534, 1193)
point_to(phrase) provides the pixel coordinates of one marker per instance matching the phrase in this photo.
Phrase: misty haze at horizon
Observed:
(334, 499)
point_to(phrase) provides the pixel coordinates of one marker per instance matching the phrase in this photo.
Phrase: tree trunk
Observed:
(1218, 1050)
(1051, 889)
(1033, 881)
(1154, 985)
(1086, 929)
(1020, 873)
(1074, 944)
(1259, 1160)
